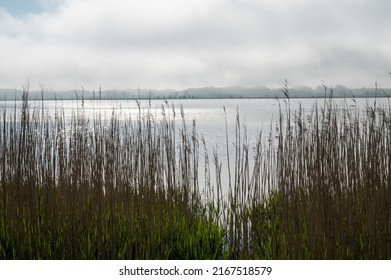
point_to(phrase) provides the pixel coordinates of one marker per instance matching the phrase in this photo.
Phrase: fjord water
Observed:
(217, 121)
(255, 115)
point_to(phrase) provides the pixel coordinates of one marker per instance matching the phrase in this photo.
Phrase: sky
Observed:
(177, 44)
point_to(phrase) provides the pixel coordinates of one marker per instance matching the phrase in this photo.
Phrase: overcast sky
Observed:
(118, 44)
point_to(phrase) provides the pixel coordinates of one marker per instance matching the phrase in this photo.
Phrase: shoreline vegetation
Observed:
(88, 188)
(233, 92)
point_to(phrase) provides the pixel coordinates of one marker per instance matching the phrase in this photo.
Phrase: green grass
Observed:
(91, 188)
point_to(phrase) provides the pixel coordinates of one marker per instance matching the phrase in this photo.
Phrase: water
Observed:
(256, 115)
(210, 116)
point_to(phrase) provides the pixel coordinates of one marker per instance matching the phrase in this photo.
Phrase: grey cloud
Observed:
(198, 43)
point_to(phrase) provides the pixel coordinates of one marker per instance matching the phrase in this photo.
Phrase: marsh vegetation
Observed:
(317, 186)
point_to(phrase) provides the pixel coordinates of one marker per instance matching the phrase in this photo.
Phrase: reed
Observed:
(332, 194)
(317, 186)
(88, 188)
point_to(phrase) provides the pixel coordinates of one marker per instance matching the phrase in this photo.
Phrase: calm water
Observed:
(255, 114)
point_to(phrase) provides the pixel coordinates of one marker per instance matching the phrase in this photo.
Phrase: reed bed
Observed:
(87, 188)
(317, 186)
(332, 194)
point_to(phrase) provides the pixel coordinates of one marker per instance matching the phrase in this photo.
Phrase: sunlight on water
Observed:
(210, 116)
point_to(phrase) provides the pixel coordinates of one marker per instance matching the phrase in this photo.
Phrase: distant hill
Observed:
(233, 92)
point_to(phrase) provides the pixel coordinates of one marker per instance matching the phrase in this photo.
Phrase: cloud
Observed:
(178, 43)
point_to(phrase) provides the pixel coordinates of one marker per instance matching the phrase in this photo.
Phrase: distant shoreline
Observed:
(197, 93)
